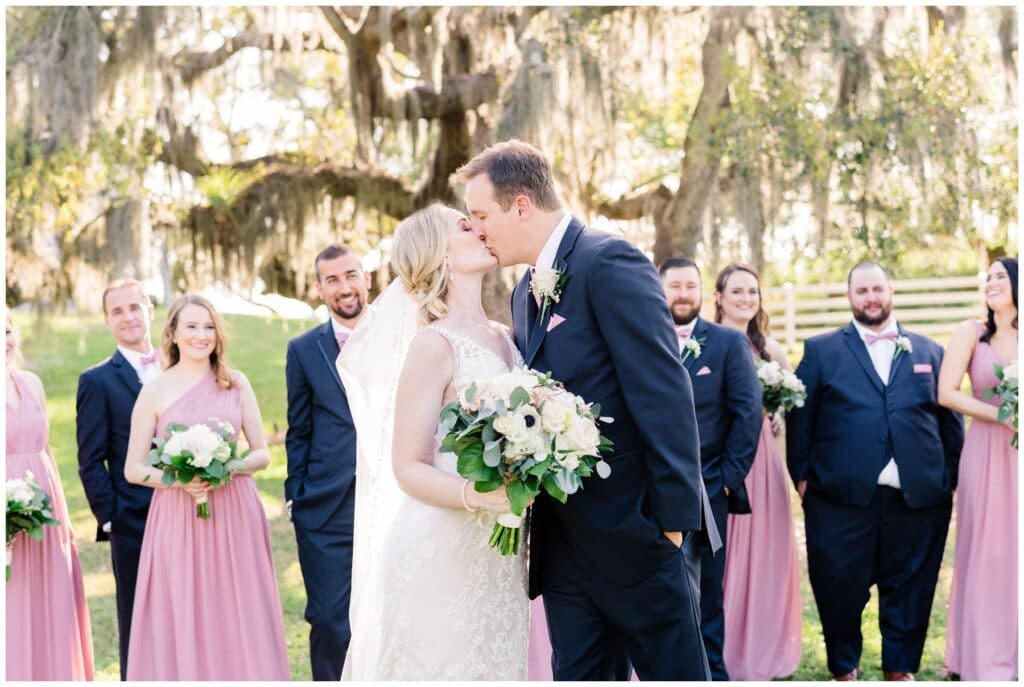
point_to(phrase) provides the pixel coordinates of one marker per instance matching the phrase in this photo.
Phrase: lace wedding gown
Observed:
(451, 607)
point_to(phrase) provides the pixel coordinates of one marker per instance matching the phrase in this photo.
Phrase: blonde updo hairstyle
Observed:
(419, 257)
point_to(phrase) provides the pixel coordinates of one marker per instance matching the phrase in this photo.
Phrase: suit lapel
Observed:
(329, 349)
(700, 329)
(523, 312)
(126, 372)
(860, 352)
(561, 264)
(897, 360)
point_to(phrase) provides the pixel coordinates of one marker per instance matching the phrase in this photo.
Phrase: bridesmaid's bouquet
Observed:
(188, 452)
(1006, 390)
(524, 431)
(780, 388)
(28, 511)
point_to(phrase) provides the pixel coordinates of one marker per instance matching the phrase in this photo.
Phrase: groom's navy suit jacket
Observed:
(321, 438)
(616, 347)
(105, 399)
(852, 423)
(727, 398)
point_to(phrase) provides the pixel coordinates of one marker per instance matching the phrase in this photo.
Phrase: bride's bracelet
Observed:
(465, 505)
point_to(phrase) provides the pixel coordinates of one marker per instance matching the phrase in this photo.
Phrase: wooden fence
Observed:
(927, 306)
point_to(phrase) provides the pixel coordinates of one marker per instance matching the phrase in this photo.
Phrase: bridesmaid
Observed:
(762, 604)
(48, 631)
(981, 630)
(206, 604)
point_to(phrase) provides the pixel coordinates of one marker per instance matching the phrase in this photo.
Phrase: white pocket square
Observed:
(555, 320)
(703, 371)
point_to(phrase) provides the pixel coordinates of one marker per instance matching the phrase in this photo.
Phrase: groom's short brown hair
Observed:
(514, 168)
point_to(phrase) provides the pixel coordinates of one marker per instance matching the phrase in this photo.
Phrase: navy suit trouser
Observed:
(712, 570)
(599, 630)
(325, 557)
(125, 550)
(888, 544)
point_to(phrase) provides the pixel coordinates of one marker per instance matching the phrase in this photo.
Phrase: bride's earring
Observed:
(448, 268)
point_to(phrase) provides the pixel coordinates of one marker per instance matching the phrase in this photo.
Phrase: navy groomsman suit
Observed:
(613, 584)
(321, 447)
(105, 399)
(727, 400)
(865, 523)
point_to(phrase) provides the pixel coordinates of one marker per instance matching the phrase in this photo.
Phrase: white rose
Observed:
(583, 437)
(511, 425)
(203, 443)
(1010, 371)
(19, 491)
(792, 382)
(570, 461)
(175, 444)
(558, 413)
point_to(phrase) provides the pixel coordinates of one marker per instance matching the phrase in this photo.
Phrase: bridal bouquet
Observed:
(28, 511)
(1006, 390)
(523, 430)
(199, 451)
(780, 388)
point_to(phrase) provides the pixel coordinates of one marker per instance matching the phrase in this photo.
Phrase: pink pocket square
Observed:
(703, 371)
(555, 320)
(923, 368)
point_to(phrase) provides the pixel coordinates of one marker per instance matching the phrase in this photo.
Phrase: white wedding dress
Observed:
(439, 603)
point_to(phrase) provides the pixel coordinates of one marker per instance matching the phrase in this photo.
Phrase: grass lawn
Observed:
(58, 349)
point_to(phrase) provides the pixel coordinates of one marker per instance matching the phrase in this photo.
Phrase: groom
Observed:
(608, 563)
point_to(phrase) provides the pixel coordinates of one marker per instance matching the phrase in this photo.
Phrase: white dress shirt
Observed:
(546, 259)
(340, 328)
(134, 358)
(881, 353)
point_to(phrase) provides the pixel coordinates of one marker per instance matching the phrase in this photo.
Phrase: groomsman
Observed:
(106, 397)
(321, 445)
(874, 457)
(727, 400)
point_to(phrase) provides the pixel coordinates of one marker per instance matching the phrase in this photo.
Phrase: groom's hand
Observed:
(674, 537)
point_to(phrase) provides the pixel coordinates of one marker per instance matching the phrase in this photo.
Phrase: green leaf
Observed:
(517, 496)
(471, 465)
(168, 478)
(553, 489)
(518, 397)
(489, 485)
(176, 427)
(492, 454)
(216, 469)
(470, 393)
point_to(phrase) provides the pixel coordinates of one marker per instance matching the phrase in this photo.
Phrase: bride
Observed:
(430, 599)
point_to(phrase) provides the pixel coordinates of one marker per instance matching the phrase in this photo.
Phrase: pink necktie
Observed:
(872, 338)
(342, 337)
(536, 296)
(151, 359)
(683, 334)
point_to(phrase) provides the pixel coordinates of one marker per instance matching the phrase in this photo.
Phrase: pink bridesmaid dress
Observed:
(206, 604)
(981, 629)
(762, 605)
(48, 632)
(539, 666)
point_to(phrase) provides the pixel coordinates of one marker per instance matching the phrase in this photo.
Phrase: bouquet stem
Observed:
(506, 535)
(10, 556)
(202, 507)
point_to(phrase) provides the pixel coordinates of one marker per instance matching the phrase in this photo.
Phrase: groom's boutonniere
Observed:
(692, 347)
(903, 345)
(547, 285)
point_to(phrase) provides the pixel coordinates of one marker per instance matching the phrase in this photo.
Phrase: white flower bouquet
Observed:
(28, 511)
(1006, 390)
(524, 431)
(780, 388)
(188, 452)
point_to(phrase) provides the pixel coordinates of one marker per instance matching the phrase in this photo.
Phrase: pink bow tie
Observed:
(684, 333)
(151, 359)
(872, 338)
(342, 337)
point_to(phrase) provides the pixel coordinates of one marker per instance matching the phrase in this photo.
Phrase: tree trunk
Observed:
(679, 228)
